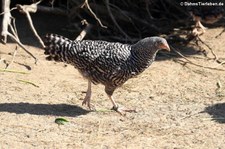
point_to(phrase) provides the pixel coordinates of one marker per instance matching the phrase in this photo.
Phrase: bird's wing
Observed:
(100, 61)
(104, 56)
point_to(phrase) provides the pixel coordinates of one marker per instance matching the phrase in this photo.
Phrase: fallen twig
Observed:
(13, 71)
(223, 62)
(220, 33)
(27, 82)
(14, 54)
(189, 61)
(22, 46)
(213, 53)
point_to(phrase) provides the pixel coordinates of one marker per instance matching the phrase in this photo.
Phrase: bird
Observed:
(101, 62)
(205, 14)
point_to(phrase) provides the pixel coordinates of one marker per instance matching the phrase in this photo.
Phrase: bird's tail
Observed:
(56, 46)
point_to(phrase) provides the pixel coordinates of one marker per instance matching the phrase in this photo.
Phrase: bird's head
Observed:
(160, 43)
(152, 44)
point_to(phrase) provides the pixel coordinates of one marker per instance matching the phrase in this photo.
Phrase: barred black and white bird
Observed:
(107, 63)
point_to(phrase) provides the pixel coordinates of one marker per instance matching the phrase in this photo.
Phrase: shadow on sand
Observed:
(217, 111)
(43, 109)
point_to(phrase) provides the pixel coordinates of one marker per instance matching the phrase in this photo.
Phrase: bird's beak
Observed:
(165, 46)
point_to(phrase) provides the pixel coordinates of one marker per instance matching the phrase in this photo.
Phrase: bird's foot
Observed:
(122, 110)
(86, 101)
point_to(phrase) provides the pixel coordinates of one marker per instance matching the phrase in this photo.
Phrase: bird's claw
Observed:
(122, 110)
(86, 102)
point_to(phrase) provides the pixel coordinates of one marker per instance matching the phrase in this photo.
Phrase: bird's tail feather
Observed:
(55, 46)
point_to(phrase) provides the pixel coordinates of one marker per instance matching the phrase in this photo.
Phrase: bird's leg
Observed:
(121, 110)
(87, 98)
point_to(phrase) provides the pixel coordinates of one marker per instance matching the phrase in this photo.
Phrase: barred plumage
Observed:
(108, 63)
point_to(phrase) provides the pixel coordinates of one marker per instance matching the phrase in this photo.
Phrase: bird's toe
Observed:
(88, 104)
(122, 110)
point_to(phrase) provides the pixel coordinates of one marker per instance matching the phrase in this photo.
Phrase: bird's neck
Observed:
(143, 53)
(141, 59)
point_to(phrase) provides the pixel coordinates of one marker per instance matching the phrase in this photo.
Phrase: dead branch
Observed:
(125, 16)
(83, 32)
(114, 21)
(14, 8)
(6, 19)
(15, 37)
(13, 27)
(52, 10)
(147, 9)
(89, 8)
(190, 62)
(21, 45)
(34, 30)
(33, 8)
(26, 9)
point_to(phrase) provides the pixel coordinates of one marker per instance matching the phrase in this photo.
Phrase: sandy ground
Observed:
(177, 106)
